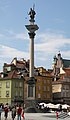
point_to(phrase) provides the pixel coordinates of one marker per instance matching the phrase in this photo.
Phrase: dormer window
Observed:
(8, 68)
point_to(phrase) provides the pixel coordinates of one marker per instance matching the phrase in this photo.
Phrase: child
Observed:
(56, 114)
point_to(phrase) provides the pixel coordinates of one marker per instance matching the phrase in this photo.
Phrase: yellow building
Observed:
(5, 91)
(11, 85)
(11, 90)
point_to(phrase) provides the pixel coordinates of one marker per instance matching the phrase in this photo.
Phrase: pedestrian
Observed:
(0, 111)
(56, 114)
(6, 112)
(13, 112)
(19, 111)
(23, 114)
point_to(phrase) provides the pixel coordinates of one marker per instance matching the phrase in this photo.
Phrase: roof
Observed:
(67, 71)
(66, 63)
(11, 75)
(7, 65)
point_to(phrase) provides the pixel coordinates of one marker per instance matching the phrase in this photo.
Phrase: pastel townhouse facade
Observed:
(11, 84)
(11, 90)
(44, 88)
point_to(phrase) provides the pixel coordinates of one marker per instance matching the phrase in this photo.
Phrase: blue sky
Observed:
(53, 19)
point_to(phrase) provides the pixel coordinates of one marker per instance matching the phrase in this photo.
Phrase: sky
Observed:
(53, 35)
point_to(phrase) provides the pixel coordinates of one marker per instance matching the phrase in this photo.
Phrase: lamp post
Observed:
(31, 31)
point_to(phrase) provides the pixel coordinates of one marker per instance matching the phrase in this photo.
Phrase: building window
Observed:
(16, 84)
(20, 94)
(0, 84)
(20, 84)
(44, 81)
(67, 94)
(38, 80)
(48, 81)
(30, 91)
(7, 84)
(44, 95)
(48, 96)
(67, 87)
(38, 87)
(16, 93)
(39, 95)
(44, 88)
(7, 93)
(48, 88)
(64, 94)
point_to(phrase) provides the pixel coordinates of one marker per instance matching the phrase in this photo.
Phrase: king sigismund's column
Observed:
(31, 82)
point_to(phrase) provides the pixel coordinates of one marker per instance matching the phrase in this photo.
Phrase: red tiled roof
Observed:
(7, 65)
(20, 64)
(12, 74)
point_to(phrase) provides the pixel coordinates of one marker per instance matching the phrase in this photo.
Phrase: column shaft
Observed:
(31, 57)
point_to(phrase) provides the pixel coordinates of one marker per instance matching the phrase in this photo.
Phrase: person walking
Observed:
(0, 111)
(13, 112)
(6, 112)
(19, 111)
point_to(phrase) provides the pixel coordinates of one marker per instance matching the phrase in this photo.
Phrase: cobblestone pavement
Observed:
(35, 116)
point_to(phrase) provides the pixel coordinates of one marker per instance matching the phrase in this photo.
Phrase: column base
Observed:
(31, 107)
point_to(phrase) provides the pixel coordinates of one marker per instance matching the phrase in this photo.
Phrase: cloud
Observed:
(7, 52)
(46, 45)
(51, 43)
(66, 54)
(11, 35)
(1, 35)
(21, 36)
